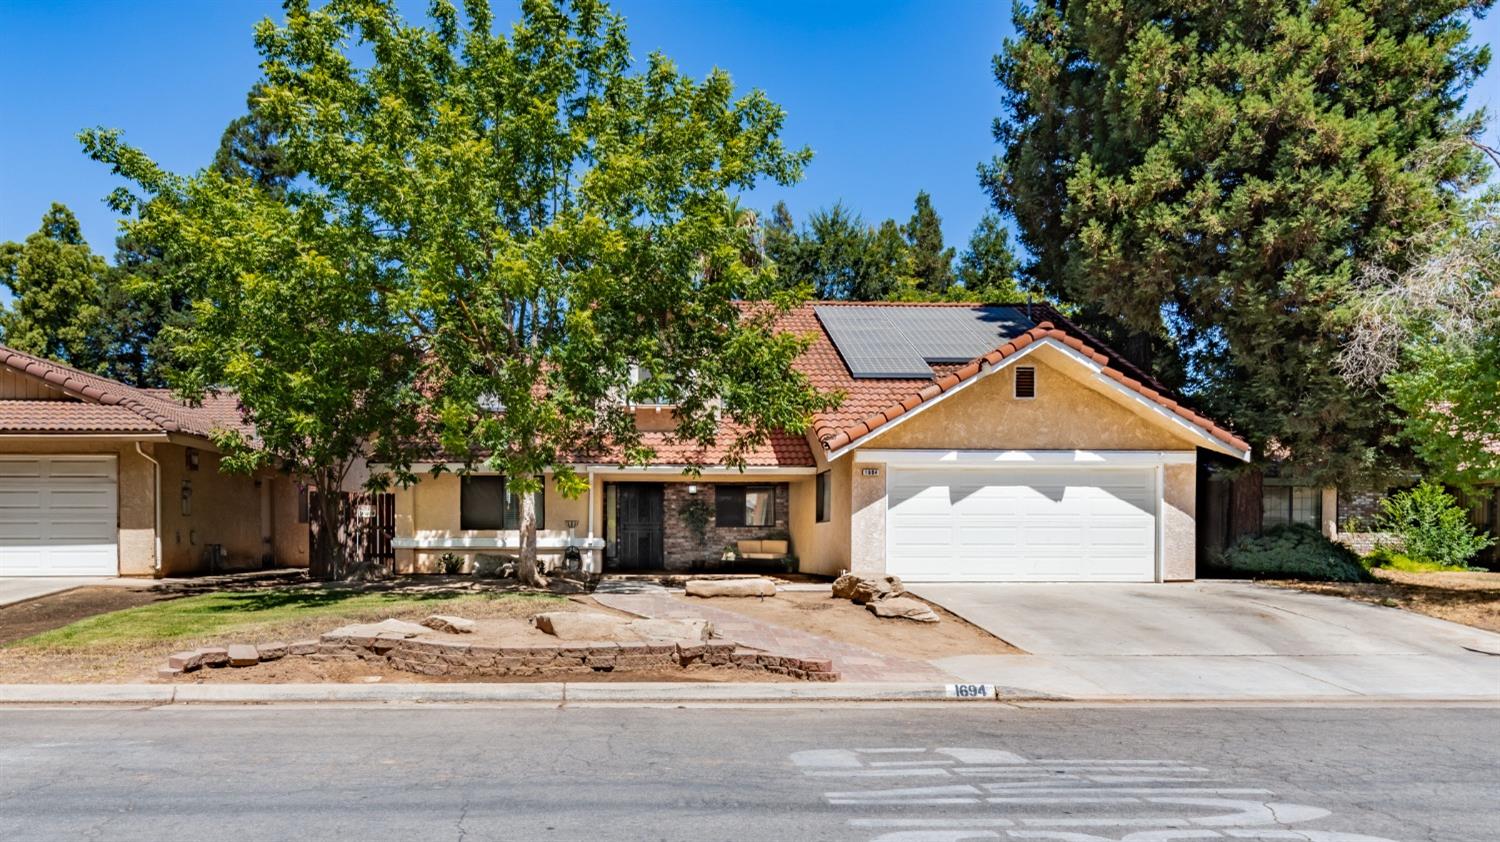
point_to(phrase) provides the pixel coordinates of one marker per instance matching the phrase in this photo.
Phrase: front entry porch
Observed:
(696, 526)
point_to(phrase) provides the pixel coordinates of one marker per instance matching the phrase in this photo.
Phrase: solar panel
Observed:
(904, 342)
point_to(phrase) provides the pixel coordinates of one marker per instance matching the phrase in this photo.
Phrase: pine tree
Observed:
(1208, 178)
(57, 284)
(931, 263)
(987, 269)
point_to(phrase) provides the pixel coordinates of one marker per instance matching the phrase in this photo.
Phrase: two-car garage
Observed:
(59, 515)
(1023, 522)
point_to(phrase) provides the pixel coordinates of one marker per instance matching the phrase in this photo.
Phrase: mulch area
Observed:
(1472, 599)
(54, 611)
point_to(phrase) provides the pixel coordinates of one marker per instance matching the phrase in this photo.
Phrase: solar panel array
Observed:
(905, 342)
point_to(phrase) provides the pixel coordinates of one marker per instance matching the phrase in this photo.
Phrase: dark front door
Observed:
(638, 526)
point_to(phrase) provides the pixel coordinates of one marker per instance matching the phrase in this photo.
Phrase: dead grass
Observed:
(839, 619)
(1469, 598)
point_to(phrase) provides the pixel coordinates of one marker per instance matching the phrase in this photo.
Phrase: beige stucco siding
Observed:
(429, 511)
(221, 508)
(1178, 527)
(867, 520)
(1066, 414)
(823, 548)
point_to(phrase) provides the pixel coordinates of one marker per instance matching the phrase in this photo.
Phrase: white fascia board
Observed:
(986, 369)
(83, 436)
(1025, 458)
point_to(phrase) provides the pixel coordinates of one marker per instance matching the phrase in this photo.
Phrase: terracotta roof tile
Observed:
(70, 417)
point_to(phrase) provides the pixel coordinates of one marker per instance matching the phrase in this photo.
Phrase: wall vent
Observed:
(1025, 381)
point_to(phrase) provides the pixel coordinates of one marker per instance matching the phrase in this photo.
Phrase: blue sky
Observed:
(892, 97)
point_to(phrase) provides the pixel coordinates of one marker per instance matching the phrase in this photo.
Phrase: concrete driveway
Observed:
(1229, 640)
(15, 589)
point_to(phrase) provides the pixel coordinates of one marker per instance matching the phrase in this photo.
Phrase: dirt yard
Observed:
(303, 671)
(839, 619)
(57, 610)
(1469, 598)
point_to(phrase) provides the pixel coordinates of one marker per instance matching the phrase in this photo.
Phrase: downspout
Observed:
(156, 522)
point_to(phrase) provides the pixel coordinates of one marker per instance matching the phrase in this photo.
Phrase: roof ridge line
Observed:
(58, 375)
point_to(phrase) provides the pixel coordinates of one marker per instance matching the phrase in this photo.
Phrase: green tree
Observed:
(250, 148)
(57, 285)
(839, 257)
(535, 216)
(931, 263)
(1208, 177)
(987, 269)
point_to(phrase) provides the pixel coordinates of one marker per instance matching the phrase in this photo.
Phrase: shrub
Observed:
(1432, 526)
(1390, 559)
(450, 563)
(1293, 552)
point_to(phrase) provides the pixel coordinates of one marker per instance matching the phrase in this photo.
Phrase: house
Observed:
(973, 443)
(98, 478)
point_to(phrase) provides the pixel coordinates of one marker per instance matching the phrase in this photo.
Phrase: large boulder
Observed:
(876, 588)
(730, 587)
(843, 586)
(390, 628)
(580, 625)
(905, 608)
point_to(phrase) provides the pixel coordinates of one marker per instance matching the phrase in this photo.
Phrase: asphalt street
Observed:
(934, 773)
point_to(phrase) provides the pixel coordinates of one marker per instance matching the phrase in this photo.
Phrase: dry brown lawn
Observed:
(1469, 598)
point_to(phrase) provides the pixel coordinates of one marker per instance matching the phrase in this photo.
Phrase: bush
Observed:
(1293, 552)
(1390, 559)
(1432, 526)
(451, 564)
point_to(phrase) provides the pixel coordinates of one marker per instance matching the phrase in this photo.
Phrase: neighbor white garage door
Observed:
(58, 516)
(1022, 524)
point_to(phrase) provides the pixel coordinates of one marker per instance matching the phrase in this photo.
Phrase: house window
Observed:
(1282, 505)
(825, 497)
(745, 505)
(1025, 382)
(485, 503)
(642, 379)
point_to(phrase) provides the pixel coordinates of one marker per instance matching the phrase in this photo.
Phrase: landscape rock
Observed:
(656, 628)
(449, 624)
(904, 608)
(168, 672)
(580, 625)
(371, 630)
(557, 584)
(213, 656)
(271, 651)
(730, 587)
(302, 647)
(185, 661)
(843, 586)
(876, 588)
(243, 655)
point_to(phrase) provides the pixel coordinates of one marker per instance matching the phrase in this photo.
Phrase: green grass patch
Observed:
(1391, 560)
(240, 612)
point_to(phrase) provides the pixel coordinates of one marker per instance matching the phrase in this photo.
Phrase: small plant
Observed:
(1389, 559)
(1432, 526)
(695, 514)
(730, 553)
(450, 564)
(1293, 552)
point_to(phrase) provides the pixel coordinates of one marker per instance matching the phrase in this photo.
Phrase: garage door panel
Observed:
(59, 516)
(1043, 524)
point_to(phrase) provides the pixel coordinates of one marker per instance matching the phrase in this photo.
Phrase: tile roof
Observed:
(153, 408)
(70, 417)
(872, 403)
(781, 450)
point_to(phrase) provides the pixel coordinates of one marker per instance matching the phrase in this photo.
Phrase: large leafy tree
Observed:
(57, 286)
(537, 217)
(1205, 178)
(931, 262)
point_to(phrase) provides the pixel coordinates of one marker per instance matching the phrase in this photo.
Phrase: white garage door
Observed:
(1022, 524)
(58, 516)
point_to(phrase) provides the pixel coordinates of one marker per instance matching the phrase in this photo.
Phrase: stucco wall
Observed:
(291, 537)
(867, 520)
(224, 509)
(429, 510)
(1066, 414)
(1178, 528)
(823, 548)
(136, 504)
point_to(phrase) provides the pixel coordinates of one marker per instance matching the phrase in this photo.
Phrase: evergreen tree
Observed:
(251, 148)
(931, 263)
(57, 285)
(987, 269)
(1208, 177)
(838, 256)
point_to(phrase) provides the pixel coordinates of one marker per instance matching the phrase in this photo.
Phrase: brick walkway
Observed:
(853, 663)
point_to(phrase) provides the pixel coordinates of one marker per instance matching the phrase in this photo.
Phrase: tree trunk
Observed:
(526, 566)
(328, 549)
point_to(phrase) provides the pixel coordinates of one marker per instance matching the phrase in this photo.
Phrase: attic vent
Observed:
(1025, 382)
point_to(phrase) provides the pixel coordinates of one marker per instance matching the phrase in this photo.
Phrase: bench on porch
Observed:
(761, 550)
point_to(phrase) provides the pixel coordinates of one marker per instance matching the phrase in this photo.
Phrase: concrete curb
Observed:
(552, 692)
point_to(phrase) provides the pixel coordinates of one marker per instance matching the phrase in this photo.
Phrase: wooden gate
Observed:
(367, 523)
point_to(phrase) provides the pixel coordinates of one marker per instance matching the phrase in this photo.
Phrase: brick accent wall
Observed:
(1362, 504)
(681, 548)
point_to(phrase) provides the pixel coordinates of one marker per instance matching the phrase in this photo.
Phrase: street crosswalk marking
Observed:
(977, 793)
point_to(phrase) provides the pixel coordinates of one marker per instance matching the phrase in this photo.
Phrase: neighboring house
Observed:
(98, 478)
(973, 443)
